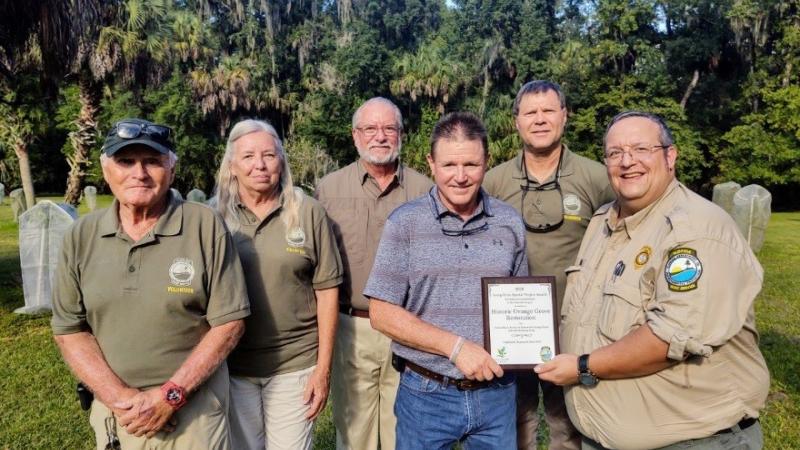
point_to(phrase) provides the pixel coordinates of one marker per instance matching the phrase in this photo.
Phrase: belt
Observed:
(461, 385)
(743, 424)
(350, 311)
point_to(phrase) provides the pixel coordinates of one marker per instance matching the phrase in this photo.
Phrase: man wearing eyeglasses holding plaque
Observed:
(148, 301)
(556, 191)
(659, 306)
(358, 198)
(425, 294)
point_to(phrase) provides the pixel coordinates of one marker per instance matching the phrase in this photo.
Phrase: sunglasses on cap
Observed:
(132, 130)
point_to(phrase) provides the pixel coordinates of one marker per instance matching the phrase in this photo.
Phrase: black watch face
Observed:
(587, 379)
(174, 395)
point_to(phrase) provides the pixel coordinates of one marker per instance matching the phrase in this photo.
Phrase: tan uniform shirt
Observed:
(148, 303)
(358, 210)
(584, 188)
(282, 270)
(681, 266)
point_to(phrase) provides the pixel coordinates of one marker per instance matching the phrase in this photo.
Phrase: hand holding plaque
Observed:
(520, 320)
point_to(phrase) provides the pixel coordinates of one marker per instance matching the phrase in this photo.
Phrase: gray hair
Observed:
(665, 135)
(397, 114)
(538, 87)
(226, 192)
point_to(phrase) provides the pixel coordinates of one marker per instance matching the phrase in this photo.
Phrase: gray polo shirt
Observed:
(426, 267)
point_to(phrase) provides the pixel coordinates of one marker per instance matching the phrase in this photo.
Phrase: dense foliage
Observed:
(723, 73)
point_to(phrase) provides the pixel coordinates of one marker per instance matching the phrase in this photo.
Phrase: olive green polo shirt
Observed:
(282, 269)
(148, 303)
(584, 188)
(358, 210)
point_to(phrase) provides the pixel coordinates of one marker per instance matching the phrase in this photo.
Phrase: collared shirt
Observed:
(584, 188)
(682, 267)
(282, 269)
(426, 267)
(148, 303)
(358, 209)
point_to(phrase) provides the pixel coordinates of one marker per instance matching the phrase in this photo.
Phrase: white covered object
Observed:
(751, 210)
(723, 195)
(90, 195)
(41, 230)
(196, 195)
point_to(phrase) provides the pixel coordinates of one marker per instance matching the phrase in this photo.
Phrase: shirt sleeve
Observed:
(69, 312)
(521, 268)
(328, 271)
(703, 295)
(389, 279)
(227, 291)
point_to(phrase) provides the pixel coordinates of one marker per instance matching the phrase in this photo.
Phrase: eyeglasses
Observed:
(371, 131)
(543, 211)
(132, 130)
(614, 155)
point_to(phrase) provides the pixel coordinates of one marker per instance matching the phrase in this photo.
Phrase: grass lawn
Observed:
(39, 410)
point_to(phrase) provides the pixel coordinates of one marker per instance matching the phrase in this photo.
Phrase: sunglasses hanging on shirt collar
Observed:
(542, 209)
(475, 229)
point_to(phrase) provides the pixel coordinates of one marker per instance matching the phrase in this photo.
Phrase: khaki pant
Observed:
(563, 435)
(269, 413)
(202, 422)
(363, 387)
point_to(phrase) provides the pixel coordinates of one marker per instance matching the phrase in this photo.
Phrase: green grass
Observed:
(38, 407)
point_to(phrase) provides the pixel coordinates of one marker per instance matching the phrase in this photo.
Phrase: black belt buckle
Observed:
(398, 363)
(743, 424)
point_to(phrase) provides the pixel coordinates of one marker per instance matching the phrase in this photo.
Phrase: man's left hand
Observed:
(147, 414)
(316, 392)
(561, 370)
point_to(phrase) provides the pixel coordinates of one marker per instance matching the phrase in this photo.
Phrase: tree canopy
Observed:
(724, 74)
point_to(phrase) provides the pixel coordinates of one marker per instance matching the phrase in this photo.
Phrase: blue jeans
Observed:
(433, 416)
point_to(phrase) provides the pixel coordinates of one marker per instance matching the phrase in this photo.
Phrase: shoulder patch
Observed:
(683, 269)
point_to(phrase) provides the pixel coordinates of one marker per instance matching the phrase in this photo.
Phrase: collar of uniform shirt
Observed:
(631, 223)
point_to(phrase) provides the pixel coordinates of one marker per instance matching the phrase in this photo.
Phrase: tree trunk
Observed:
(690, 88)
(82, 139)
(21, 149)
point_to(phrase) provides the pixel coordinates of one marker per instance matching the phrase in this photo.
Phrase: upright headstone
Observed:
(90, 195)
(196, 195)
(176, 193)
(752, 206)
(17, 202)
(41, 230)
(2, 193)
(723, 195)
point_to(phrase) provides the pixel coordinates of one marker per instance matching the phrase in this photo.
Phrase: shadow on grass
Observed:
(10, 283)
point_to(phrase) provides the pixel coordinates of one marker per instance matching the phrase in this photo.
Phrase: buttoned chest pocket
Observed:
(621, 310)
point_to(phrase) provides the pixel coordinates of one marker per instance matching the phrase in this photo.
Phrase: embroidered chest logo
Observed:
(683, 269)
(572, 204)
(497, 242)
(296, 237)
(181, 272)
(642, 257)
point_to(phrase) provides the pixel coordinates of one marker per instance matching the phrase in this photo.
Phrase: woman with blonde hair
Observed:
(280, 370)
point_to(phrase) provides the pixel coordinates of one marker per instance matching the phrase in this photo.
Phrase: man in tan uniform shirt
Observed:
(358, 199)
(659, 305)
(556, 191)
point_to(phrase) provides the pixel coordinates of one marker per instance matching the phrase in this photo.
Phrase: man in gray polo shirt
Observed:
(425, 294)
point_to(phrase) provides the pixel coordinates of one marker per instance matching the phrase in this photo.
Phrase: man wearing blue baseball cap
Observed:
(148, 301)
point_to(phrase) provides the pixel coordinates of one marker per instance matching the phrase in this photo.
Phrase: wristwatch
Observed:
(174, 395)
(585, 376)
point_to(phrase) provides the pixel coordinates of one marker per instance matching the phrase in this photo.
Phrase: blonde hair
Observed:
(226, 192)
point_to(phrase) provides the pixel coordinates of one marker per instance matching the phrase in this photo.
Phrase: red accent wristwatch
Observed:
(174, 395)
